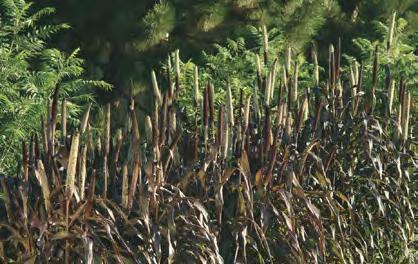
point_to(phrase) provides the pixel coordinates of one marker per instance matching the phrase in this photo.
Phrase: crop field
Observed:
(269, 154)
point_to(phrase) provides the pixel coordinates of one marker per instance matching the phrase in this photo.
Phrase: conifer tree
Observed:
(361, 18)
(122, 42)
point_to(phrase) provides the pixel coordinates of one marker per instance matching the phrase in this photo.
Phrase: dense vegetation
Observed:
(284, 174)
(122, 41)
(30, 73)
(264, 149)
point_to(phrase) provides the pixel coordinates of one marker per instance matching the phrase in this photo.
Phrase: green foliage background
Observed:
(30, 72)
(122, 41)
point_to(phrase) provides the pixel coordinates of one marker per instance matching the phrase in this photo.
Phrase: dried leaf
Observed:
(43, 182)
(72, 163)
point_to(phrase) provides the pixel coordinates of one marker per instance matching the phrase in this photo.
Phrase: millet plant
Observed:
(284, 175)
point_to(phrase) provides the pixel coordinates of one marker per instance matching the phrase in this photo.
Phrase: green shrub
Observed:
(30, 73)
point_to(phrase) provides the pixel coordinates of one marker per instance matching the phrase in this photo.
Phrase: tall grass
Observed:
(287, 175)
